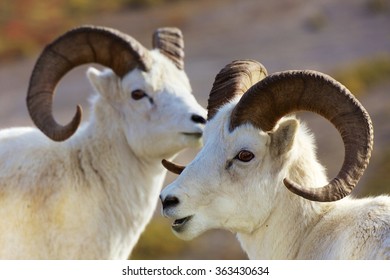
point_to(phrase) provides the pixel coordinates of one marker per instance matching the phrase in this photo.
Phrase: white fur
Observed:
(91, 196)
(250, 199)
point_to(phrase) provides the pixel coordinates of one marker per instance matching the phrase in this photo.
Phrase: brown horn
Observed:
(287, 92)
(169, 40)
(86, 44)
(233, 80)
(173, 167)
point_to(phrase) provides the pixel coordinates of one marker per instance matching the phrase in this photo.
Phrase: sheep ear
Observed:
(102, 81)
(282, 138)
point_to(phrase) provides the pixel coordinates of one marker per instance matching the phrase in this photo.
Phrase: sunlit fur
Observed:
(91, 196)
(250, 199)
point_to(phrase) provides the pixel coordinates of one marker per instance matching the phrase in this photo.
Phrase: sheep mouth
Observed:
(193, 134)
(178, 224)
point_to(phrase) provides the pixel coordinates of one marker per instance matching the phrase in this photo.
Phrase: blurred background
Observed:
(349, 40)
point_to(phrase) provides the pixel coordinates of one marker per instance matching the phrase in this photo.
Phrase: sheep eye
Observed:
(138, 94)
(245, 156)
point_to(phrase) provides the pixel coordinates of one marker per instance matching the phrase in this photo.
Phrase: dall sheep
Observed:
(253, 146)
(91, 196)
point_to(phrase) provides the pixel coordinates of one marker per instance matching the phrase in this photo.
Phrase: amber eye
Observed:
(245, 156)
(138, 94)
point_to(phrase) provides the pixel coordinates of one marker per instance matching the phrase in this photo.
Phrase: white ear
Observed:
(104, 82)
(282, 139)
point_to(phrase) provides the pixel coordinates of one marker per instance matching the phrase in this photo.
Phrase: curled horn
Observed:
(169, 40)
(291, 91)
(86, 44)
(233, 80)
(173, 167)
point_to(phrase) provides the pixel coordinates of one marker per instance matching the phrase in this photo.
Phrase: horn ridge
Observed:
(233, 80)
(169, 40)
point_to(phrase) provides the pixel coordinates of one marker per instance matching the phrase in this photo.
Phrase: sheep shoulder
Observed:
(351, 229)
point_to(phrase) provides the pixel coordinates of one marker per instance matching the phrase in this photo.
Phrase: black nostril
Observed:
(170, 201)
(198, 119)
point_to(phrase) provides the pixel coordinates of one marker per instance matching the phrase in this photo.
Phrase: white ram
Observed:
(253, 148)
(91, 196)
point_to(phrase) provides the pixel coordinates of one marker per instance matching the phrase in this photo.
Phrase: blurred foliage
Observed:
(316, 22)
(379, 182)
(27, 25)
(378, 6)
(363, 74)
(158, 242)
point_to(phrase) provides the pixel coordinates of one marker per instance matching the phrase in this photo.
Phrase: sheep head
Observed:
(249, 144)
(151, 82)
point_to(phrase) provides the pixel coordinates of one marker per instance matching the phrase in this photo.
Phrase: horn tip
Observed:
(69, 129)
(172, 167)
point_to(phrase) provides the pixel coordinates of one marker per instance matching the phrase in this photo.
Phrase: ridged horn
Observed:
(85, 44)
(233, 80)
(291, 91)
(173, 167)
(169, 40)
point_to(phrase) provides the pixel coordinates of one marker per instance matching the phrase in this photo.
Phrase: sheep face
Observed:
(217, 188)
(156, 109)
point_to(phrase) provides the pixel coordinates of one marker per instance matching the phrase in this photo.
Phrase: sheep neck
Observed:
(126, 184)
